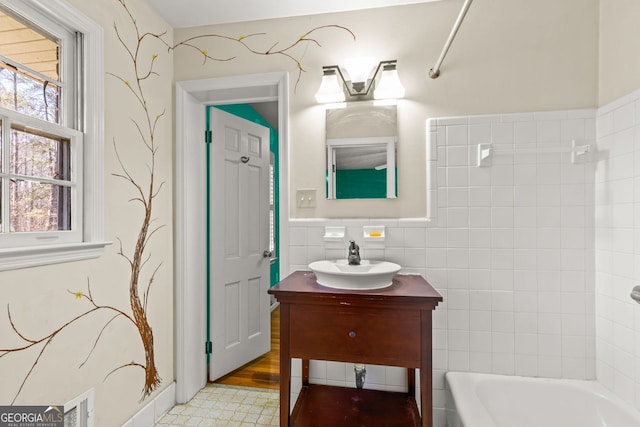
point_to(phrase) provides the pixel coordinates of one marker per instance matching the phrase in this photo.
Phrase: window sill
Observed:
(15, 258)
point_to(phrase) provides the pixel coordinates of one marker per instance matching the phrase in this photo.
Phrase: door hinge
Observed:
(208, 348)
(208, 136)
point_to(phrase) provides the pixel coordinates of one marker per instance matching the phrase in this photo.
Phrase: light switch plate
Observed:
(306, 197)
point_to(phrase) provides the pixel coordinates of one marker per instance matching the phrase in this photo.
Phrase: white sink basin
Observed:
(339, 274)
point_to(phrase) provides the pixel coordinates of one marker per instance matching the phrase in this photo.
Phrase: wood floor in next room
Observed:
(264, 372)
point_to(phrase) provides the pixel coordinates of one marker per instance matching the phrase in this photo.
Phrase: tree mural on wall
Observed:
(143, 268)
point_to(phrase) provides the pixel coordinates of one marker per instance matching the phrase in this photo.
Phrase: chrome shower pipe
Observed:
(435, 71)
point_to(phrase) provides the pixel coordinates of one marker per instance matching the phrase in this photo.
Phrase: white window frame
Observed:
(91, 118)
(17, 239)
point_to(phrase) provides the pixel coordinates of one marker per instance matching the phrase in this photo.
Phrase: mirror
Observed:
(361, 152)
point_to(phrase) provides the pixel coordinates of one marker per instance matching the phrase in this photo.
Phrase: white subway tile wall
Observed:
(510, 246)
(617, 246)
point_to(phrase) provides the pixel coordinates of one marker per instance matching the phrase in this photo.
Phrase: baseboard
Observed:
(155, 409)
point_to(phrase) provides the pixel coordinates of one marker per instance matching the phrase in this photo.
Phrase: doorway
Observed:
(192, 97)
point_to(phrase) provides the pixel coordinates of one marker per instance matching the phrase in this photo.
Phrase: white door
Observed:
(239, 185)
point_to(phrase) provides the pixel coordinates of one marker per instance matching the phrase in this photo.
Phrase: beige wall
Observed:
(509, 56)
(619, 49)
(39, 297)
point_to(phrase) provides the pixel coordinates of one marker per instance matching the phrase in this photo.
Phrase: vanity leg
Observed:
(411, 382)
(426, 358)
(285, 366)
(305, 372)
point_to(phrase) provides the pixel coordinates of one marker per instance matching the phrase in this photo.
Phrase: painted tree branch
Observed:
(286, 51)
(147, 193)
(46, 340)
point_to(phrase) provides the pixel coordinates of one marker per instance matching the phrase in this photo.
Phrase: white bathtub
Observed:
(483, 400)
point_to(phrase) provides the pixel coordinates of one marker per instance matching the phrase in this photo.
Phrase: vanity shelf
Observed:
(348, 407)
(389, 326)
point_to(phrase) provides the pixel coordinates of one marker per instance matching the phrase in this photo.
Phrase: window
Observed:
(51, 141)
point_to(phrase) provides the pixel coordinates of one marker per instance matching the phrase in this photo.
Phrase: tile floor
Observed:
(228, 406)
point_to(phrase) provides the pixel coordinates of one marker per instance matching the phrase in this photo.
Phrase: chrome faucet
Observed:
(354, 253)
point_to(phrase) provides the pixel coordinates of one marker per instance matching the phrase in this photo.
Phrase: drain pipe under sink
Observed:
(360, 371)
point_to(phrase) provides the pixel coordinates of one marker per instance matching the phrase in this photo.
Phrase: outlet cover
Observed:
(306, 198)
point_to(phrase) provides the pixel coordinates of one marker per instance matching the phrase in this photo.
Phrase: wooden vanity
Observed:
(390, 326)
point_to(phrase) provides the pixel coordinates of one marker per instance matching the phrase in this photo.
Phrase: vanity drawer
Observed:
(380, 336)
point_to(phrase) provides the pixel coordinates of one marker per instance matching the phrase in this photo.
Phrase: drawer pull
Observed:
(352, 334)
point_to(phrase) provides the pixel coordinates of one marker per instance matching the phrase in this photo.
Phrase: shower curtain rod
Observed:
(435, 71)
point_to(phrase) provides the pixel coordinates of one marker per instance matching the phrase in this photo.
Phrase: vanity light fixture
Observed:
(330, 89)
(354, 84)
(389, 86)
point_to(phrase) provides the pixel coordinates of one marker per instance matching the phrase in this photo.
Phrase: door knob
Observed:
(267, 254)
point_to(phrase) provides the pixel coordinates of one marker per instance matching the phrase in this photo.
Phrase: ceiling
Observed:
(190, 13)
